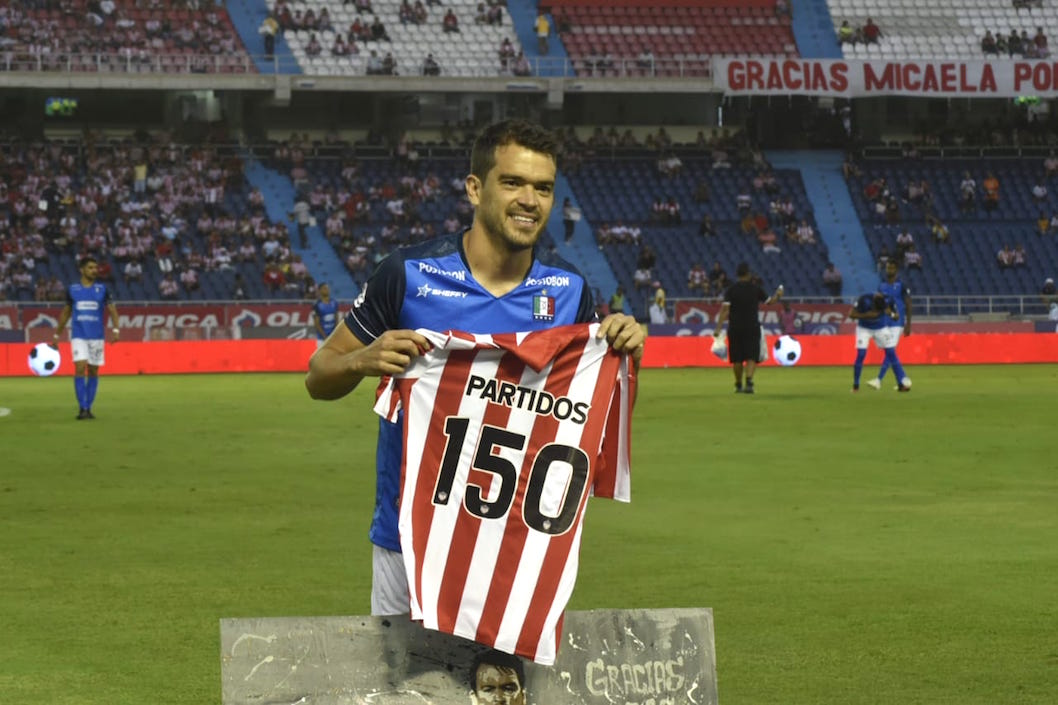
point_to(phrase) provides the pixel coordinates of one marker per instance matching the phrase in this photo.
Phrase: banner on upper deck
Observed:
(850, 78)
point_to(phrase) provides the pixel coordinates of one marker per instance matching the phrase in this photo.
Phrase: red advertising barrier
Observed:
(179, 357)
(293, 355)
(928, 349)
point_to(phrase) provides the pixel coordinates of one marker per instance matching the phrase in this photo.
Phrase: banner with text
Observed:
(923, 78)
(178, 315)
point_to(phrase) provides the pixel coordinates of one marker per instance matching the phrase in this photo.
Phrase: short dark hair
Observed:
(742, 269)
(500, 659)
(85, 260)
(522, 132)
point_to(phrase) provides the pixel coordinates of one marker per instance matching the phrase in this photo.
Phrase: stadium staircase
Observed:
(320, 258)
(247, 16)
(582, 250)
(523, 16)
(813, 28)
(839, 225)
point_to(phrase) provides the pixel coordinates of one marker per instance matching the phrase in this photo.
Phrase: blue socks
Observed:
(80, 388)
(891, 360)
(857, 368)
(90, 391)
(85, 387)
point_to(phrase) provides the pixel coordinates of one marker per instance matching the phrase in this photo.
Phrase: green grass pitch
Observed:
(855, 548)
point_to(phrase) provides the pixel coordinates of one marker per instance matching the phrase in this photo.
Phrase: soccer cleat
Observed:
(748, 389)
(874, 383)
(903, 388)
(855, 388)
(89, 414)
(738, 389)
(82, 414)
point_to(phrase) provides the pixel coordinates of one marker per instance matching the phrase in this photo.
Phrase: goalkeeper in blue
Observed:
(874, 314)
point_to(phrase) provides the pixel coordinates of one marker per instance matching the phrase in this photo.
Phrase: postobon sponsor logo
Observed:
(553, 280)
(87, 306)
(534, 400)
(452, 273)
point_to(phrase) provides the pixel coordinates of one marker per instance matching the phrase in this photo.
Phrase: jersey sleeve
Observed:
(377, 309)
(586, 312)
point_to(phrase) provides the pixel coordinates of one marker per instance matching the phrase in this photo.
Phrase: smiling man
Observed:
(492, 278)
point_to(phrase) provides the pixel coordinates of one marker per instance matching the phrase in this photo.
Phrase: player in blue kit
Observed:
(896, 325)
(85, 302)
(324, 314)
(869, 312)
(491, 278)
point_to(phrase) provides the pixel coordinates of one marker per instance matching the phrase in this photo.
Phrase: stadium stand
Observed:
(121, 36)
(192, 216)
(966, 264)
(621, 190)
(473, 50)
(651, 39)
(947, 29)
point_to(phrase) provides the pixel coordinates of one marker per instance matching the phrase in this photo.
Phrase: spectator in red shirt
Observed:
(273, 278)
(450, 23)
(871, 32)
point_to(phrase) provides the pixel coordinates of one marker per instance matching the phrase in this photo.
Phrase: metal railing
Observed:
(326, 65)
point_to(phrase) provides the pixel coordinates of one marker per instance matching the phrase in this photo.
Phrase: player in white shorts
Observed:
(85, 303)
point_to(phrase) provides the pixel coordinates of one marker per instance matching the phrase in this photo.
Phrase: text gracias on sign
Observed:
(927, 77)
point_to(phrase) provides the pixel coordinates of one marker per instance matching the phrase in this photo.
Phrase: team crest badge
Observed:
(543, 308)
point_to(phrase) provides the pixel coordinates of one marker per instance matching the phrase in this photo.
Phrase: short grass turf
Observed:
(855, 548)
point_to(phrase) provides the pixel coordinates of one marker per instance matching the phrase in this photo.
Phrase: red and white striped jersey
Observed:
(505, 437)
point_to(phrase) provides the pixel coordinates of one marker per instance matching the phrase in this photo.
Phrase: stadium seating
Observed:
(166, 37)
(946, 29)
(681, 39)
(473, 51)
(60, 261)
(624, 189)
(967, 264)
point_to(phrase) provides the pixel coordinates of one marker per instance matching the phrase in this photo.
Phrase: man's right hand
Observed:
(343, 360)
(389, 354)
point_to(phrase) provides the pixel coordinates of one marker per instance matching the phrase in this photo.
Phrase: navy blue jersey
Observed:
(88, 305)
(327, 313)
(865, 304)
(899, 294)
(429, 285)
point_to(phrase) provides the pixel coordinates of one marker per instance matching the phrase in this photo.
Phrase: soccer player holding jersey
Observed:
(324, 314)
(897, 325)
(85, 301)
(489, 279)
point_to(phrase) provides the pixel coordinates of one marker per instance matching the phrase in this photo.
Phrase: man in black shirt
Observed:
(741, 304)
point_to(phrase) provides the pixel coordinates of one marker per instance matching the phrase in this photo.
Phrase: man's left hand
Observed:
(624, 334)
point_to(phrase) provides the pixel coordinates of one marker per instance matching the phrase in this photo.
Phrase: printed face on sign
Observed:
(497, 685)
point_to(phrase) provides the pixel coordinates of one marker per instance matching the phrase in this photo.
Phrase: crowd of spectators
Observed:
(102, 34)
(364, 214)
(1023, 45)
(154, 213)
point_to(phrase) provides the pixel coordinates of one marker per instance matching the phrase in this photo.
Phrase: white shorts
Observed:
(864, 336)
(389, 583)
(892, 336)
(90, 351)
